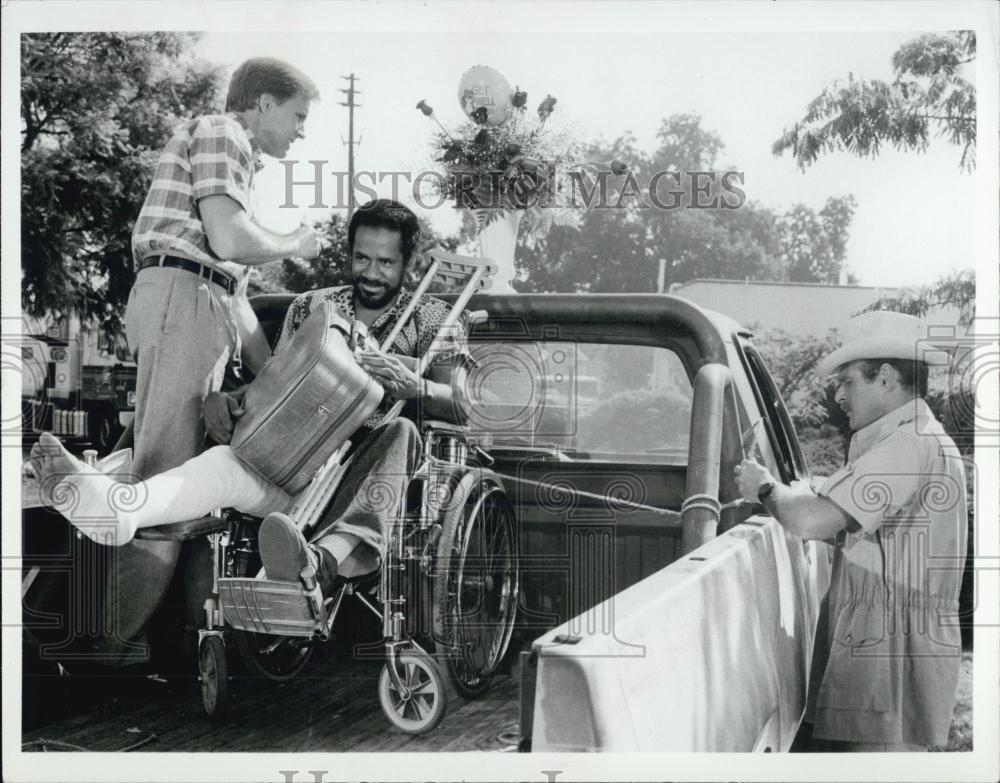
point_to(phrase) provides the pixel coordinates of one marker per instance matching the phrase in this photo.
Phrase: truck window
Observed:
(584, 401)
(779, 427)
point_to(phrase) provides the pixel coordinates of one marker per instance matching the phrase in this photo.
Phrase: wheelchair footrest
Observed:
(272, 607)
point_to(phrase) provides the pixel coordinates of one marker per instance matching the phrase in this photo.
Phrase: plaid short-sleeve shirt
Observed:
(414, 340)
(207, 156)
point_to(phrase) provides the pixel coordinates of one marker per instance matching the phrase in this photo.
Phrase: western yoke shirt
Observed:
(888, 646)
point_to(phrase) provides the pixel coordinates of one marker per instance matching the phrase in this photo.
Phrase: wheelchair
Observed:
(446, 591)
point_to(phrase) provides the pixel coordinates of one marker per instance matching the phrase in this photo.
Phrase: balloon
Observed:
(485, 87)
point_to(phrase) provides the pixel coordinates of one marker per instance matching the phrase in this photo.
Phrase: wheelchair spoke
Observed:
(476, 600)
(422, 706)
(480, 530)
(422, 688)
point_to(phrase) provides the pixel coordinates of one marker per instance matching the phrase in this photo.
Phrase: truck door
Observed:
(712, 652)
(808, 561)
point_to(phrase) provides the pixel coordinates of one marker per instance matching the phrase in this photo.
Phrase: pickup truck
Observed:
(658, 611)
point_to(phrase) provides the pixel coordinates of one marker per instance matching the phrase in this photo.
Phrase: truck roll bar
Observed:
(701, 510)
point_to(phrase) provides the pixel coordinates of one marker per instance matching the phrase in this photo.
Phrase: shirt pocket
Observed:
(858, 672)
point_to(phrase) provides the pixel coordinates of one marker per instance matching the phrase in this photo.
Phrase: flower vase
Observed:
(497, 241)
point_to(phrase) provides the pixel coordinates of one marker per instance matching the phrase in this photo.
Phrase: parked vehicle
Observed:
(77, 383)
(657, 610)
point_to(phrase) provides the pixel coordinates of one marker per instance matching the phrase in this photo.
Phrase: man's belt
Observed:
(212, 275)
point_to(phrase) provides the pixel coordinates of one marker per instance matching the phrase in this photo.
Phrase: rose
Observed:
(525, 181)
(618, 167)
(546, 107)
(519, 98)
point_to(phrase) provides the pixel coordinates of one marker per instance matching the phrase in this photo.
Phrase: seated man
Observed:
(349, 540)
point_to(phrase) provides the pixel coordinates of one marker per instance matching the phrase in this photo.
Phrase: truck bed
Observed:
(331, 706)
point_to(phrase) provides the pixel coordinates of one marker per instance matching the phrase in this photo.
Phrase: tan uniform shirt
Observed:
(888, 646)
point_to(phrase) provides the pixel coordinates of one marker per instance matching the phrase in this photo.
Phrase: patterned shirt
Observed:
(207, 156)
(414, 340)
(888, 645)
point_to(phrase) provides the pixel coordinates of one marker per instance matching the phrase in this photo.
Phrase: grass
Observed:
(960, 735)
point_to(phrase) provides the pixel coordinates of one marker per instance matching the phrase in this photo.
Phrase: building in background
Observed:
(798, 308)
(76, 382)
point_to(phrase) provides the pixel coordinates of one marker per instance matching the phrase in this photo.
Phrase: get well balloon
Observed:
(482, 87)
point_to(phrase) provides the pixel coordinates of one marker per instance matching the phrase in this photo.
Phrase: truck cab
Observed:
(615, 422)
(657, 610)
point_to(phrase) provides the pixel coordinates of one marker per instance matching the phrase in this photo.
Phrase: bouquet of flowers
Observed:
(504, 159)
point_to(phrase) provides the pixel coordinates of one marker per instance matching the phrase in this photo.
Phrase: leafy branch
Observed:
(927, 98)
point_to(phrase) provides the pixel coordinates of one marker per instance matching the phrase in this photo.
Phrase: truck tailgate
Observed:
(708, 654)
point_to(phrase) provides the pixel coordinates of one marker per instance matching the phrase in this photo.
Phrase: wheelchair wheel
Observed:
(214, 675)
(477, 580)
(423, 708)
(276, 657)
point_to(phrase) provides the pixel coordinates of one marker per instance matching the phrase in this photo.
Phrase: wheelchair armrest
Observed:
(183, 531)
(445, 426)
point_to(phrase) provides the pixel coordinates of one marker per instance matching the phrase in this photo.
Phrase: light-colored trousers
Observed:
(181, 330)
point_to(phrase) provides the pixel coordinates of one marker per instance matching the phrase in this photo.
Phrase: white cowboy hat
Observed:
(883, 335)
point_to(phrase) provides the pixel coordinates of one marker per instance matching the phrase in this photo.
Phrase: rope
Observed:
(702, 501)
(674, 516)
(510, 734)
(44, 744)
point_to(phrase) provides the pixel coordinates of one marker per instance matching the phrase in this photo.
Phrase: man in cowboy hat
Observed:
(887, 652)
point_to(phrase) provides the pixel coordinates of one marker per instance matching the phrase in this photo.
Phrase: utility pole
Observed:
(351, 105)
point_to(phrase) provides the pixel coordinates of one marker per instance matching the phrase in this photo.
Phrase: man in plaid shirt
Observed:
(187, 316)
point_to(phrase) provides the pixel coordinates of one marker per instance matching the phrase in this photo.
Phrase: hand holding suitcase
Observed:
(307, 401)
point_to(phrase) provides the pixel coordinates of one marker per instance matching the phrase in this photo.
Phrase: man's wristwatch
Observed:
(765, 489)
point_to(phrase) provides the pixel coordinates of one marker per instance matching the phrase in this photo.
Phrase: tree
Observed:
(819, 422)
(957, 289)
(814, 246)
(619, 249)
(96, 108)
(332, 266)
(927, 96)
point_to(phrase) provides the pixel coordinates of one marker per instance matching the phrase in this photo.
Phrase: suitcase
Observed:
(306, 402)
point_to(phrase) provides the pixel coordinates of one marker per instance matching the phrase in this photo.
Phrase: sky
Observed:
(915, 212)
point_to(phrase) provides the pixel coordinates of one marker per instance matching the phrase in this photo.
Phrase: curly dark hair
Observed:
(386, 213)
